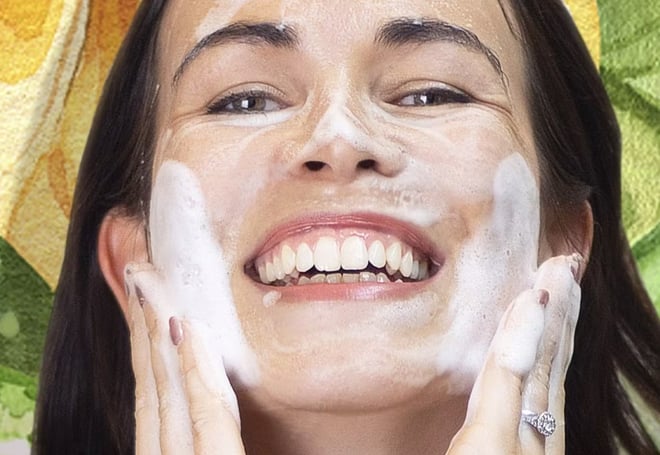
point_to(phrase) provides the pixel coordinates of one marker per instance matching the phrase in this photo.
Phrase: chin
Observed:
(351, 376)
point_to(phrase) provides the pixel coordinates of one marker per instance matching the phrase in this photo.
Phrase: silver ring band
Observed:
(544, 423)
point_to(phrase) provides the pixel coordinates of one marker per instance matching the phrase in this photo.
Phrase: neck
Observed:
(421, 428)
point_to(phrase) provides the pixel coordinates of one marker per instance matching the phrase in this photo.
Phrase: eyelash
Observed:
(221, 106)
(446, 95)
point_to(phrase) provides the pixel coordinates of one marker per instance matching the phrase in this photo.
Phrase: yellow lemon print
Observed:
(585, 15)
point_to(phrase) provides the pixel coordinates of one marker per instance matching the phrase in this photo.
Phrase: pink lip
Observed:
(344, 292)
(384, 224)
(353, 291)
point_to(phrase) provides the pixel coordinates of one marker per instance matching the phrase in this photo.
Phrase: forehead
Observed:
(332, 29)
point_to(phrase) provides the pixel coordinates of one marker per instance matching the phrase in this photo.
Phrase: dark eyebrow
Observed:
(402, 31)
(276, 35)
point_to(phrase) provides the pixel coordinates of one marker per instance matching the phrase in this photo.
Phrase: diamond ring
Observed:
(544, 423)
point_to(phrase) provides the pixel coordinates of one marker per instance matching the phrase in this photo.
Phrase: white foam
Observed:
(271, 298)
(184, 248)
(492, 269)
(340, 122)
(516, 347)
(219, 15)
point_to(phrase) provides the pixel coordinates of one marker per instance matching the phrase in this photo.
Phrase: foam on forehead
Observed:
(220, 14)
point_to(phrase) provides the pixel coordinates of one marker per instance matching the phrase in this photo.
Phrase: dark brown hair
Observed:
(578, 141)
(86, 400)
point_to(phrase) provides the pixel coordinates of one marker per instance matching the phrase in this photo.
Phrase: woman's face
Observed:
(369, 175)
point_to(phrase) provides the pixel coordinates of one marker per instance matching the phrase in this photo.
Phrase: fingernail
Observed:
(127, 280)
(574, 269)
(543, 297)
(140, 296)
(575, 261)
(176, 331)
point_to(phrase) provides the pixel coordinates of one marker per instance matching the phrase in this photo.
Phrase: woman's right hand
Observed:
(182, 405)
(525, 368)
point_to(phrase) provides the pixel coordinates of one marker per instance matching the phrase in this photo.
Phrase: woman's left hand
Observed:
(182, 405)
(525, 368)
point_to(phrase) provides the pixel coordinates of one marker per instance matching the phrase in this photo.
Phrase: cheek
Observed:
(232, 169)
(465, 167)
(492, 268)
(194, 269)
(478, 176)
(454, 159)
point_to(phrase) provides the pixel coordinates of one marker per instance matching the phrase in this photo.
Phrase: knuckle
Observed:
(540, 376)
(207, 412)
(152, 327)
(142, 402)
(162, 385)
(166, 410)
(141, 412)
(204, 417)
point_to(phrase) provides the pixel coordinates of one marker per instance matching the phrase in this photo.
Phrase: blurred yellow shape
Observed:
(585, 15)
(30, 108)
(41, 158)
(27, 29)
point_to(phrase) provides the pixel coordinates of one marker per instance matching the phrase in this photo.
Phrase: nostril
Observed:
(314, 165)
(367, 164)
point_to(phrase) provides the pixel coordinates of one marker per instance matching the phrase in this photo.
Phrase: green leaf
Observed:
(630, 66)
(647, 252)
(16, 412)
(646, 86)
(25, 303)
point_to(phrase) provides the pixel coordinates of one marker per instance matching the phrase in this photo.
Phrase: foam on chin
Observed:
(491, 270)
(184, 249)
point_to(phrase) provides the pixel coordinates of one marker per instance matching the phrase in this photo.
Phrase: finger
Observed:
(560, 364)
(175, 433)
(494, 405)
(147, 425)
(213, 404)
(557, 276)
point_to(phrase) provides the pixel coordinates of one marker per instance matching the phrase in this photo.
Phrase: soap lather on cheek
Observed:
(496, 265)
(186, 252)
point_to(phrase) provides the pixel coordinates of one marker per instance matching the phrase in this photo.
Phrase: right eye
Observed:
(248, 102)
(434, 97)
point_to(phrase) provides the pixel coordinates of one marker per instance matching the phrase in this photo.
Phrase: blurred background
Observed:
(54, 57)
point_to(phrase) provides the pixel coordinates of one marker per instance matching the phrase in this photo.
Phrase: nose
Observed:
(342, 147)
(340, 160)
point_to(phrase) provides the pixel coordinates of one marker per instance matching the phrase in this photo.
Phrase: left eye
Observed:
(434, 97)
(244, 103)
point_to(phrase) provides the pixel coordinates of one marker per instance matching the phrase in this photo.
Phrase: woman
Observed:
(473, 145)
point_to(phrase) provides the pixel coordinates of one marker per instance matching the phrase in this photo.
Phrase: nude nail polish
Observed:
(140, 296)
(543, 296)
(575, 261)
(176, 331)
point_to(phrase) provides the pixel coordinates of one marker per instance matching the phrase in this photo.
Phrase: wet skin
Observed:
(331, 118)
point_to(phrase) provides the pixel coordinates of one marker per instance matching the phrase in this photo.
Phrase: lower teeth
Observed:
(339, 278)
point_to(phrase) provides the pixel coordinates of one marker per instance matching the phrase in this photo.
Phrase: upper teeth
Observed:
(329, 255)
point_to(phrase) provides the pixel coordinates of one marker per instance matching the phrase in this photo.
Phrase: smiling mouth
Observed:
(331, 255)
